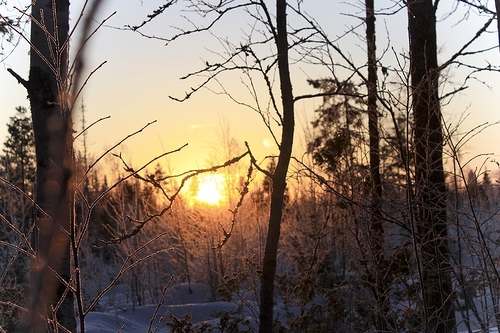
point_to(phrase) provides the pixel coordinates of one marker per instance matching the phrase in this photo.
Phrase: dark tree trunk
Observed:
(376, 227)
(279, 177)
(47, 87)
(497, 7)
(430, 193)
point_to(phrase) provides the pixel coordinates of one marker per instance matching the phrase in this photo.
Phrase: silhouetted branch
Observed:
(113, 147)
(88, 127)
(466, 45)
(187, 175)
(19, 78)
(155, 13)
(196, 29)
(243, 193)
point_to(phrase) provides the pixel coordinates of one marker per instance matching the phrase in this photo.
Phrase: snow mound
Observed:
(178, 302)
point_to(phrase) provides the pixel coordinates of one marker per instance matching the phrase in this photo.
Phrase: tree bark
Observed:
(47, 91)
(279, 176)
(430, 187)
(376, 227)
(497, 7)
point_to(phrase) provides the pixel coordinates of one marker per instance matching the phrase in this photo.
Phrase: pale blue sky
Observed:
(134, 85)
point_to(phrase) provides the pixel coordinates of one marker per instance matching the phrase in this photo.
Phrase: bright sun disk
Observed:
(211, 189)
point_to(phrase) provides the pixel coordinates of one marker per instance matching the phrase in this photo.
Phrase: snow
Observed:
(119, 315)
(139, 320)
(122, 317)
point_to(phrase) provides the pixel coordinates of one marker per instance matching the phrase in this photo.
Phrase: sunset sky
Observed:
(134, 85)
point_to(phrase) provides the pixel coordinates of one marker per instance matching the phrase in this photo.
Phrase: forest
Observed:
(380, 222)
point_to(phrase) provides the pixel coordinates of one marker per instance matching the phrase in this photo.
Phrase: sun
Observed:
(211, 189)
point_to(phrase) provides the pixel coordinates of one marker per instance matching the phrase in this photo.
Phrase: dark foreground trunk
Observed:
(279, 177)
(430, 193)
(376, 226)
(47, 87)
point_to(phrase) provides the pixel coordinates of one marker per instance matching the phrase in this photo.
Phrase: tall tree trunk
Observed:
(430, 195)
(376, 227)
(47, 90)
(279, 176)
(497, 7)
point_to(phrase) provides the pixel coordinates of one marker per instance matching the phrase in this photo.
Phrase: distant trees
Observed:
(19, 151)
(18, 170)
(340, 144)
(339, 135)
(17, 175)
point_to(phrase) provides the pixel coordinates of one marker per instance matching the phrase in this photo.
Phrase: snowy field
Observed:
(118, 314)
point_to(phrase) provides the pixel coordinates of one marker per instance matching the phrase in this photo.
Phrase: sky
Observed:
(140, 74)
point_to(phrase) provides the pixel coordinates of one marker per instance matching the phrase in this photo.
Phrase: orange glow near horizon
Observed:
(210, 189)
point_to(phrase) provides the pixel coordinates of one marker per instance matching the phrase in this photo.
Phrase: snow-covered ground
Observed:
(139, 320)
(119, 316)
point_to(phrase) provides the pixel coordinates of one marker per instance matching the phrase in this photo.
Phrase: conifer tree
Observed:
(19, 151)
